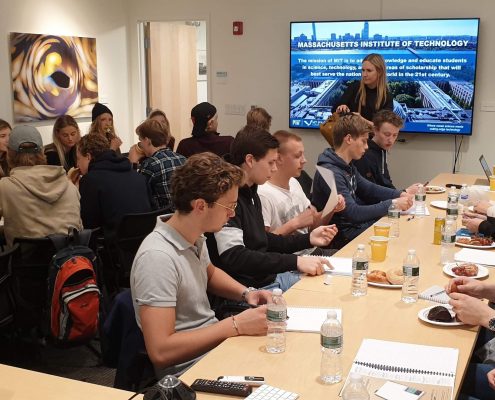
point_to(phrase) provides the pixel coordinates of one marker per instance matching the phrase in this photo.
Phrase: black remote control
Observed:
(227, 388)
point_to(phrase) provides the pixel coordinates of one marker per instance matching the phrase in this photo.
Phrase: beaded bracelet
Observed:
(234, 324)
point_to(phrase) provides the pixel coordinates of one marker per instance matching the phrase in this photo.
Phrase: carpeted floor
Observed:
(80, 363)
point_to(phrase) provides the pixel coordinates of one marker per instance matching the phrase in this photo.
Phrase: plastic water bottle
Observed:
(276, 316)
(448, 242)
(419, 202)
(359, 272)
(331, 339)
(411, 277)
(393, 219)
(463, 198)
(453, 206)
(355, 389)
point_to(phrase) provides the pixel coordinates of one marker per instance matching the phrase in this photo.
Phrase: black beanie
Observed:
(99, 109)
(202, 113)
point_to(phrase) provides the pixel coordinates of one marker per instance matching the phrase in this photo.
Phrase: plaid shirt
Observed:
(158, 170)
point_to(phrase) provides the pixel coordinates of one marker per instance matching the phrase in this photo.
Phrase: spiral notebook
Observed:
(436, 294)
(428, 368)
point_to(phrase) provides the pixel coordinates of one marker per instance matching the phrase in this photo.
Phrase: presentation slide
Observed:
(431, 68)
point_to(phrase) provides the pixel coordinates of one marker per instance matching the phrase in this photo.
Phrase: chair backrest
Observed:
(30, 273)
(137, 225)
(7, 302)
(306, 183)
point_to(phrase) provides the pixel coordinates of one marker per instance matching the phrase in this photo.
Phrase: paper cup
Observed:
(379, 246)
(382, 229)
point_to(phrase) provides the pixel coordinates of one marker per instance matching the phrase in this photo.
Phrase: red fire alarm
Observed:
(237, 28)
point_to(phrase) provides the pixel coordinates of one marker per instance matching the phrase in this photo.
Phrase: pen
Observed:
(437, 293)
(426, 183)
(410, 218)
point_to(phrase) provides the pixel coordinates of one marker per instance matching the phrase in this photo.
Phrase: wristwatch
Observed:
(491, 324)
(246, 291)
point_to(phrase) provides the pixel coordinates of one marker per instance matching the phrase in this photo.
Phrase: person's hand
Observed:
(470, 310)
(305, 219)
(135, 154)
(491, 378)
(469, 286)
(342, 108)
(469, 214)
(340, 204)
(252, 322)
(472, 224)
(323, 235)
(482, 206)
(312, 265)
(405, 201)
(413, 188)
(115, 143)
(257, 297)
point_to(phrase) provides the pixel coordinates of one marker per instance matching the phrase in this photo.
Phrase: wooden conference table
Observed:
(379, 315)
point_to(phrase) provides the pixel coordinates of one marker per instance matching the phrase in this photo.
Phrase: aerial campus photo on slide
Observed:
(431, 67)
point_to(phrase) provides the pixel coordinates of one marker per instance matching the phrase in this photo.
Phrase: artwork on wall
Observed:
(52, 76)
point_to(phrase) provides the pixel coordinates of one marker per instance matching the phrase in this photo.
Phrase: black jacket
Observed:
(487, 227)
(111, 189)
(350, 99)
(246, 251)
(373, 165)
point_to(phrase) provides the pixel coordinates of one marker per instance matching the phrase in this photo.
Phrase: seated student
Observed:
(65, 137)
(5, 129)
(243, 248)
(373, 165)
(109, 187)
(465, 294)
(36, 200)
(102, 125)
(172, 272)
(160, 116)
(365, 201)
(204, 134)
(286, 209)
(160, 161)
(259, 117)
(482, 220)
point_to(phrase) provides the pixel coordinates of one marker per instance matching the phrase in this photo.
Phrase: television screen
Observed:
(431, 66)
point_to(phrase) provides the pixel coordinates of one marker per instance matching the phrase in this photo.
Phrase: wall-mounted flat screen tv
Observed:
(431, 69)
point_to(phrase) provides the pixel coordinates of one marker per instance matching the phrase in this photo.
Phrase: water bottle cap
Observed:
(394, 201)
(361, 247)
(464, 185)
(353, 376)
(169, 382)
(331, 314)
(277, 292)
(411, 251)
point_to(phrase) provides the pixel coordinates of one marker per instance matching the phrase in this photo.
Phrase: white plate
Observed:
(384, 285)
(482, 271)
(473, 246)
(432, 189)
(423, 316)
(442, 204)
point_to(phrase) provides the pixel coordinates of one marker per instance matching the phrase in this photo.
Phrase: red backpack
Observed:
(73, 294)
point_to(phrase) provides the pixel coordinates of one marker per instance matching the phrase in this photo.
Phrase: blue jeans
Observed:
(284, 281)
(476, 383)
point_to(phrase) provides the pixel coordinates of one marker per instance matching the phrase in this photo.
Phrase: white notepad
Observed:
(485, 257)
(308, 319)
(412, 211)
(341, 265)
(407, 362)
(435, 293)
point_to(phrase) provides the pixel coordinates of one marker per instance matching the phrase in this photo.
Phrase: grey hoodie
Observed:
(365, 201)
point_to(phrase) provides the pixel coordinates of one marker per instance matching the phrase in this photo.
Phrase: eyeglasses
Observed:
(227, 207)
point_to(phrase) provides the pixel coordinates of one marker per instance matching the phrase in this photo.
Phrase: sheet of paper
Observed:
(308, 319)
(341, 266)
(329, 178)
(486, 257)
(412, 211)
(396, 391)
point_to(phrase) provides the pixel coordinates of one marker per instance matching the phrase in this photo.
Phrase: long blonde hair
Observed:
(381, 87)
(61, 123)
(96, 129)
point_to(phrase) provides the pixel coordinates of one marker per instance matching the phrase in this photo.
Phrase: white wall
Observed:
(257, 64)
(104, 20)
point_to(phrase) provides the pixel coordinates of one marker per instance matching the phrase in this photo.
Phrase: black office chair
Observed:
(306, 183)
(130, 232)
(7, 302)
(124, 347)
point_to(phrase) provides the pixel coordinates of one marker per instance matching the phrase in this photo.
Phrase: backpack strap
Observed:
(75, 237)
(59, 240)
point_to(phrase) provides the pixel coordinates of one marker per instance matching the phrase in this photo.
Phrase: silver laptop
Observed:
(486, 170)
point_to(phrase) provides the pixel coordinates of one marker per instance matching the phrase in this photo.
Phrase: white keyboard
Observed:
(267, 392)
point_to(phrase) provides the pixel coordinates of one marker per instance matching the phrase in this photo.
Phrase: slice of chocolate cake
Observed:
(440, 314)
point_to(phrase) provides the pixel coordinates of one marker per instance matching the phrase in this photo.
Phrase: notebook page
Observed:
(435, 293)
(485, 257)
(407, 362)
(308, 319)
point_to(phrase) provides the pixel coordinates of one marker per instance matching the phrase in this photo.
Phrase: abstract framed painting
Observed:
(52, 76)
